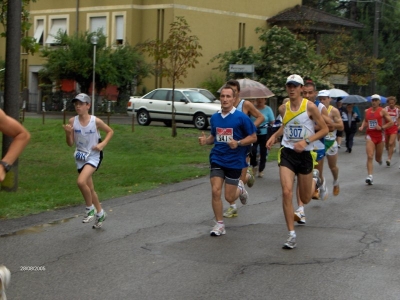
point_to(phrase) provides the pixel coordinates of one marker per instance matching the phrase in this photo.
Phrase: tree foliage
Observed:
(174, 56)
(242, 56)
(27, 42)
(73, 59)
(342, 54)
(283, 54)
(386, 66)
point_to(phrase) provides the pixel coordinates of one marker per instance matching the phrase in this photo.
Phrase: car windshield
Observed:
(196, 97)
(208, 94)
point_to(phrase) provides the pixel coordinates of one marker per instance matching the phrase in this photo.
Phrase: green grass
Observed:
(133, 162)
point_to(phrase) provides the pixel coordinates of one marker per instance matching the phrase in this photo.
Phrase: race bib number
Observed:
(294, 132)
(81, 155)
(224, 135)
(372, 124)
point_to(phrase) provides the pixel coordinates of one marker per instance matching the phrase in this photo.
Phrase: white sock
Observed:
(240, 189)
(233, 206)
(292, 233)
(100, 214)
(90, 207)
(300, 209)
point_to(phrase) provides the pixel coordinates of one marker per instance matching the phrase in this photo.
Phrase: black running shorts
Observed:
(299, 163)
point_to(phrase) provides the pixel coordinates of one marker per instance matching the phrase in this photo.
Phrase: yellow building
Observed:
(220, 26)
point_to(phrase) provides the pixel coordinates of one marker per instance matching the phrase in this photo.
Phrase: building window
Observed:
(56, 26)
(38, 35)
(119, 30)
(242, 34)
(98, 24)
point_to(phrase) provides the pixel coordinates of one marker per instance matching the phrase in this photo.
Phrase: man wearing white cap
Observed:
(299, 118)
(375, 136)
(331, 146)
(310, 93)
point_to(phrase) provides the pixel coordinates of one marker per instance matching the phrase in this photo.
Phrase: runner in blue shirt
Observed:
(231, 132)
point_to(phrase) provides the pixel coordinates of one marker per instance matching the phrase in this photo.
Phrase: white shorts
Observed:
(332, 149)
(94, 160)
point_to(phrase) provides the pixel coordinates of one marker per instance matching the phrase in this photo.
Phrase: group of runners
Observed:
(308, 135)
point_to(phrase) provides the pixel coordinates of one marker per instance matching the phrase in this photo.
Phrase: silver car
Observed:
(191, 107)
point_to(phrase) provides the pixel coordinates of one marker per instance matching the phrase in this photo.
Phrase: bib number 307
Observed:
(294, 132)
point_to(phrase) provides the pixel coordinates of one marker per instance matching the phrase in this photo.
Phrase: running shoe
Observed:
(323, 191)
(260, 174)
(231, 212)
(300, 217)
(388, 163)
(218, 230)
(290, 242)
(99, 221)
(369, 180)
(316, 177)
(5, 277)
(243, 196)
(89, 216)
(336, 189)
(250, 181)
(316, 195)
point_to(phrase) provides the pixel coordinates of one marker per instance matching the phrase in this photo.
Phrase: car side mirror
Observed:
(184, 100)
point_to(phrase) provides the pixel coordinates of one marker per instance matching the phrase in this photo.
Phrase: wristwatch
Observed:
(307, 141)
(6, 166)
(239, 143)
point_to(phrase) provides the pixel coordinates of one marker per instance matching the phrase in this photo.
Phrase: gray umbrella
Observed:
(354, 99)
(251, 89)
(336, 93)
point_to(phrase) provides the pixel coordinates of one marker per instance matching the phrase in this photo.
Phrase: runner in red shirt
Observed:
(375, 137)
(391, 132)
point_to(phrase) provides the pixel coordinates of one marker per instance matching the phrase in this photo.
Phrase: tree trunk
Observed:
(11, 86)
(174, 132)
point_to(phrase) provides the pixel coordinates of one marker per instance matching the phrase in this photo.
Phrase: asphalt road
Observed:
(156, 244)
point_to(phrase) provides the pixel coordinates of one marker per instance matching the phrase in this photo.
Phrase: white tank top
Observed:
(331, 136)
(298, 126)
(240, 105)
(319, 144)
(86, 137)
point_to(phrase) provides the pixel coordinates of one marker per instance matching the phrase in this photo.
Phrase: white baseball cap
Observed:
(324, 93)
(295, 79)
(82, 97)
(376, 96)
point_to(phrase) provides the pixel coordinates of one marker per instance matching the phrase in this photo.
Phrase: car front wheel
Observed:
(200, 121)
(143, 117)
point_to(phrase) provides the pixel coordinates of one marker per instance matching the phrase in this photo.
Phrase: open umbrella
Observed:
(336, 93)
(383, 99)
(251, 89)
(354, 99)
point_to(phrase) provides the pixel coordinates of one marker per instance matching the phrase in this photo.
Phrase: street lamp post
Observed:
(94, 39)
